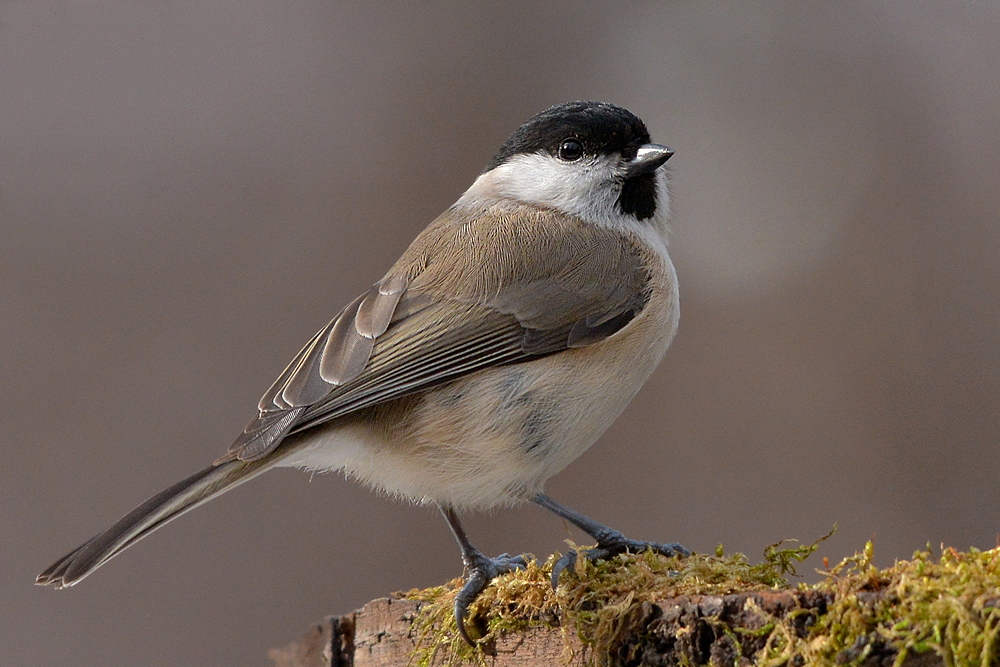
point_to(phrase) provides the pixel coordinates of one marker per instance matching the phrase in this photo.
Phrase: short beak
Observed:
(648, 159)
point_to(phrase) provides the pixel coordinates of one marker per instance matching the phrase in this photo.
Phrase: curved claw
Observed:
(567, 561)
(482, 573)
(475, 585)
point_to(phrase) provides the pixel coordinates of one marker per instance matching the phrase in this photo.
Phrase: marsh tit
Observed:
(501, 345)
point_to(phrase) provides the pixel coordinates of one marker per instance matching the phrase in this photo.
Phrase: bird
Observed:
(499, 347)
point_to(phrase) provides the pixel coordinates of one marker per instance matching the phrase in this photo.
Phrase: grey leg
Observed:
(609, 541)
(482, 570)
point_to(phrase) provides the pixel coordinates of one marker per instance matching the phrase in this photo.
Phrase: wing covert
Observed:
(465, 296)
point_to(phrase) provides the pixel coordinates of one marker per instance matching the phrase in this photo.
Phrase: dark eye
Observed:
(570, 150)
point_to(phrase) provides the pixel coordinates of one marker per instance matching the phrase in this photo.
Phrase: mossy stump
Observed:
(703, 610)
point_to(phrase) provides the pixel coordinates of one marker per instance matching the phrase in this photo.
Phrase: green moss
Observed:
(949, 605)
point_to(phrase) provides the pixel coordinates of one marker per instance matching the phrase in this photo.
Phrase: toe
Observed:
(567, 561)
(671, 549)
(515, 563)
(608, 550)
(482, 572)
(461, 614)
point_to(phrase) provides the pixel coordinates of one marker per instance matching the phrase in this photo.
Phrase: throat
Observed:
(638, 197)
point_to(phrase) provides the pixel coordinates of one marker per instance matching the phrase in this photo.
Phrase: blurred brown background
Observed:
(188, 190)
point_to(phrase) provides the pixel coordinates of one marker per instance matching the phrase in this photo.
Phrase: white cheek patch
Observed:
(587, 189)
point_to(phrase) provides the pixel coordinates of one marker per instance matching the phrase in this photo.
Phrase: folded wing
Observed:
(464, 297)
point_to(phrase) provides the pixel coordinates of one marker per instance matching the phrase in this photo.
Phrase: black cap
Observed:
(602, 128)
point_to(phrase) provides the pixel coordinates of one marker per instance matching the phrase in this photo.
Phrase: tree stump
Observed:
(694, 630)
(701, 610)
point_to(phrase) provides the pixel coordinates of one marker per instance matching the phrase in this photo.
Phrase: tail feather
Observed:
(147, 517)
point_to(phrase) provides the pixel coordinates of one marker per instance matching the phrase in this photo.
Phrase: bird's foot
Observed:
(482, 571)
(613, 544)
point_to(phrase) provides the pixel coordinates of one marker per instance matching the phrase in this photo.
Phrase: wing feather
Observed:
(346, 350)
(453, 305)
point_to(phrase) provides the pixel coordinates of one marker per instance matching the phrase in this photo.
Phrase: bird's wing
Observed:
(465, 296)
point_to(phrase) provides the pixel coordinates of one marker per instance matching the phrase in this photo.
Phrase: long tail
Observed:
(147, 517)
